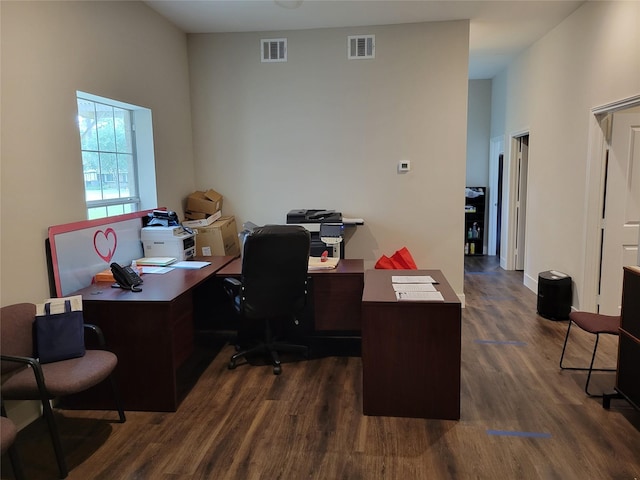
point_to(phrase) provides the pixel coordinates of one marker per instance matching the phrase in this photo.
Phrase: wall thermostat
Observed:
(404, 166)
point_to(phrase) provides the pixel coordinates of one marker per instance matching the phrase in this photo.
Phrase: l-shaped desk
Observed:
(409, 350)
(152, 332)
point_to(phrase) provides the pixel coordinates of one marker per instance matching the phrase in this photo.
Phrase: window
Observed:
(113, 160)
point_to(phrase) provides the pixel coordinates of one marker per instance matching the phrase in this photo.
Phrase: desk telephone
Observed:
(126, 278)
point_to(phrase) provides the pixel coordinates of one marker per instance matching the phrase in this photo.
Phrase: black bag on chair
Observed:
(59, 336)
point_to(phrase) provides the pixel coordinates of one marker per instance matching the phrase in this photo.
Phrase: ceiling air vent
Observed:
(274, 49)
(361, 46)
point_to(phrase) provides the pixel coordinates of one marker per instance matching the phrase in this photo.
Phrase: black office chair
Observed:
(273, 285)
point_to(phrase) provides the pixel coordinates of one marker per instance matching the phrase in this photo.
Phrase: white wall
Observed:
(121, 50)
(590, 59)
(478, 133)
(321, 131)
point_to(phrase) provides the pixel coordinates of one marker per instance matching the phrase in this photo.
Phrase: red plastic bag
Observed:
(400, 260)
(403, 257)
(385, 263)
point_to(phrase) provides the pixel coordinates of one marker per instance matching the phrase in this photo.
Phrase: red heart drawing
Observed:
(105, 241)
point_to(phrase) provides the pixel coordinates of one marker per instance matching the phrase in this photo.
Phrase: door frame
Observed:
(509, 198)
(496, 148)
(599, 133)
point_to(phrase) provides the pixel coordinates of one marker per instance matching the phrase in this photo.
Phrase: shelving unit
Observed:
(474, 220)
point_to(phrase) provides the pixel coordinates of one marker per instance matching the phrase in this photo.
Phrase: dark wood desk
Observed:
(410, 350)
(151, 332)
(335, 295)
(628, 371)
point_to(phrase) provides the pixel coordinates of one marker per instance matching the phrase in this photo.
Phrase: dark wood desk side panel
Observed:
(140, 335)
(337, 294)
(181, 315)
(411, 359)
(628, 374)
(337, 301)
(630, 320)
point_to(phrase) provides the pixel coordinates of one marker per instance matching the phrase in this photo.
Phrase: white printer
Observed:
(172, 241)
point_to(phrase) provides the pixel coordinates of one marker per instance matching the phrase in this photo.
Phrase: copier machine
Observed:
(326, 228)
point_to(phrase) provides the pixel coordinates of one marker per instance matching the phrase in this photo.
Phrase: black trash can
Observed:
(554, 295)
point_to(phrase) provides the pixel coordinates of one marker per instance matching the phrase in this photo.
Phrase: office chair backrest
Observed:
(16, 332)
(274, 271)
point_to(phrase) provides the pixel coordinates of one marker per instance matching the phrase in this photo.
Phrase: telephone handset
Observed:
(126, 277)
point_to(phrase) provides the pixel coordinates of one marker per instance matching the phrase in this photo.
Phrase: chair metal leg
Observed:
(14, 458)
(593, 357)
(55, 437)
(564, 347)
(15, 463)
(118, 400)
(590, 369)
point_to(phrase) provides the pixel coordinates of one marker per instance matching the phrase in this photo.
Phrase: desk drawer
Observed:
(182, 328)
(628, 379)
(337, 302)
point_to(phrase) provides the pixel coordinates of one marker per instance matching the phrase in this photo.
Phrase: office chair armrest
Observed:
(98, 332)
(25, 360)
(34, 363)
(232, 286)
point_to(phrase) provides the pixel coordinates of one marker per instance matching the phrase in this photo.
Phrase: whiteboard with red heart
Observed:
(80, 250)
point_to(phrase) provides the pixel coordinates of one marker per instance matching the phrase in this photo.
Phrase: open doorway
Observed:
(495, 196)
(499, 203)
(520, 147)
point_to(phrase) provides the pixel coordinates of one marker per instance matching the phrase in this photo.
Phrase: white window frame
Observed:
(143, 157)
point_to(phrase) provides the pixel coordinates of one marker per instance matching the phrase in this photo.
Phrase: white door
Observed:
(621, 209)
(522, 167)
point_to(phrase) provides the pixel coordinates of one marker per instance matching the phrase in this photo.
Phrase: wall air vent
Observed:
(361, 46)
(273, 49)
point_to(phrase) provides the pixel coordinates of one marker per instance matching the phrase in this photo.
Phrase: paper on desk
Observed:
(414, 287)
(315, 263)
(156, 261)
(420, 296)
(190, 264)
(158, 270)
(412, 279)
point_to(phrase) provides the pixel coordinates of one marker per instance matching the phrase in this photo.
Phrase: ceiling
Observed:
(499, 30)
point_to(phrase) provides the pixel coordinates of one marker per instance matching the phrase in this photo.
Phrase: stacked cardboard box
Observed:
(219, 238)
(215, 234)
(201, 205)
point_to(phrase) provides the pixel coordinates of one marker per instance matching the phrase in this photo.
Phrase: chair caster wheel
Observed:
(277, 370)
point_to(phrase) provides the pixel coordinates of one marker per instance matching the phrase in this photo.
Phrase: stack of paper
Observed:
(190, 264)
(316, 263)
(415, 288)
(156, 261)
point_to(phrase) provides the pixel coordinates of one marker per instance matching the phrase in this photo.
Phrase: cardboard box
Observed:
(219, 238)
(205, 202)
(189, 215)
(203, 221)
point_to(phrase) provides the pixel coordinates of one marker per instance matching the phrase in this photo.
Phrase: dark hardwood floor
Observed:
(521, 416)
